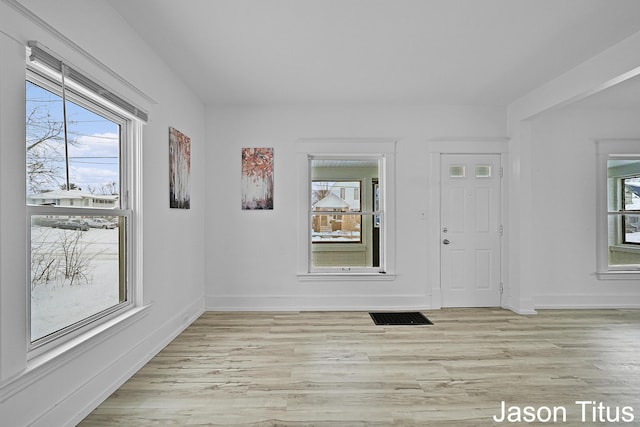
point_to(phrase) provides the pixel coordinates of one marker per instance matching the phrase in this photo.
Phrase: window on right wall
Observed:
(623, 198)
(619, 208)
(630, 198)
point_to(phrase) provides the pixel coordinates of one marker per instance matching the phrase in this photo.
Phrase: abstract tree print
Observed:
(257, 178)
(179, 169)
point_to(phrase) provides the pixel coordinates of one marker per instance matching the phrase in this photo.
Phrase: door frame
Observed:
(438, 147)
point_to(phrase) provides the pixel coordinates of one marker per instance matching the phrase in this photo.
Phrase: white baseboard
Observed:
(523, 307)
(567, 301)
(77, 405)
(317, 303)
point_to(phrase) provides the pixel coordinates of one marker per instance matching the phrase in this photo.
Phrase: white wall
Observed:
(563, 200)
(63, 390)
(252, 255)
(612, 66)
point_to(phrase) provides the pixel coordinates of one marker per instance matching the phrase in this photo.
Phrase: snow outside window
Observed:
(80, 220)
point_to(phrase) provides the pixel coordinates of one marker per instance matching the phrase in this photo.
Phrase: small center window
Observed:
(345, 214)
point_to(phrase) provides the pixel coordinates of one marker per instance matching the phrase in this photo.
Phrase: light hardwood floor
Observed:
(339, 369)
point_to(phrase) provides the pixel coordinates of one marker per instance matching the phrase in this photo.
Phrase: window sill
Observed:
(625, 248)
(330, 277)
(618, 275)
(338, 247)
(49, 361)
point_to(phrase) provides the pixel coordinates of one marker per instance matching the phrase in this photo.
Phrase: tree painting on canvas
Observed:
(257, 178)
(179, 169)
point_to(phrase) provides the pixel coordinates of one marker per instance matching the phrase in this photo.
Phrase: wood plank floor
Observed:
(339, 369)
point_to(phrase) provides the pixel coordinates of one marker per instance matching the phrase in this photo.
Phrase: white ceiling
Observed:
(474, 52)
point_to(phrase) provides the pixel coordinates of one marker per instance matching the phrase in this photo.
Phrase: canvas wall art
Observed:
(179, 169)
(257, 178)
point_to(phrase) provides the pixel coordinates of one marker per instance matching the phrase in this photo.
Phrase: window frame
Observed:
(615, 149)
(129, 208)
(625, 212)
(382, 150)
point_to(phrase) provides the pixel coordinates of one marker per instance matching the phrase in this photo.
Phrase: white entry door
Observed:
(470, 234)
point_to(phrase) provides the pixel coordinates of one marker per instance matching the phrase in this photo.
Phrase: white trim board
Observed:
(317, 303)
(592, 301)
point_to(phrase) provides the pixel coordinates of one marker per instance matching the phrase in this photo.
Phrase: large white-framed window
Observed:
(347, 213)
(618, 208)
(82, 203)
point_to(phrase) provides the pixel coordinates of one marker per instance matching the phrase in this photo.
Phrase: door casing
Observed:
(438, 147)
(470, 217)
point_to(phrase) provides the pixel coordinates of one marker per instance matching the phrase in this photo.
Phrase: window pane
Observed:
(456, 171)
(631, 194)
(77, 269)
(339, 196)
(358, 254)
(45, 140)
(335, 196)
(623, 199)
(627, 252)
(330, 228)
(90, 159)
(483, 171)
(623, 184)
(631, 228)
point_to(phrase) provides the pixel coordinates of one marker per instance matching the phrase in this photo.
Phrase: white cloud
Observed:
(97, 145)
(94, 160)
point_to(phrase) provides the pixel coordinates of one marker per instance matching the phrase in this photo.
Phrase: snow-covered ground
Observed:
(633, 237)
(335, 236)
(57, 304)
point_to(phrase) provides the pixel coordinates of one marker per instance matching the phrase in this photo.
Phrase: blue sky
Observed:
(94, 158)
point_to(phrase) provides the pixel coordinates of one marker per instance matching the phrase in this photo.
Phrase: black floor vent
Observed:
(397, 318)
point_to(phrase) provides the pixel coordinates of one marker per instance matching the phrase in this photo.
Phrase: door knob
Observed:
(446, 242)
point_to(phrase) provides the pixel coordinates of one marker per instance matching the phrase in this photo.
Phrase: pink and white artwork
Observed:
(257, 178)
